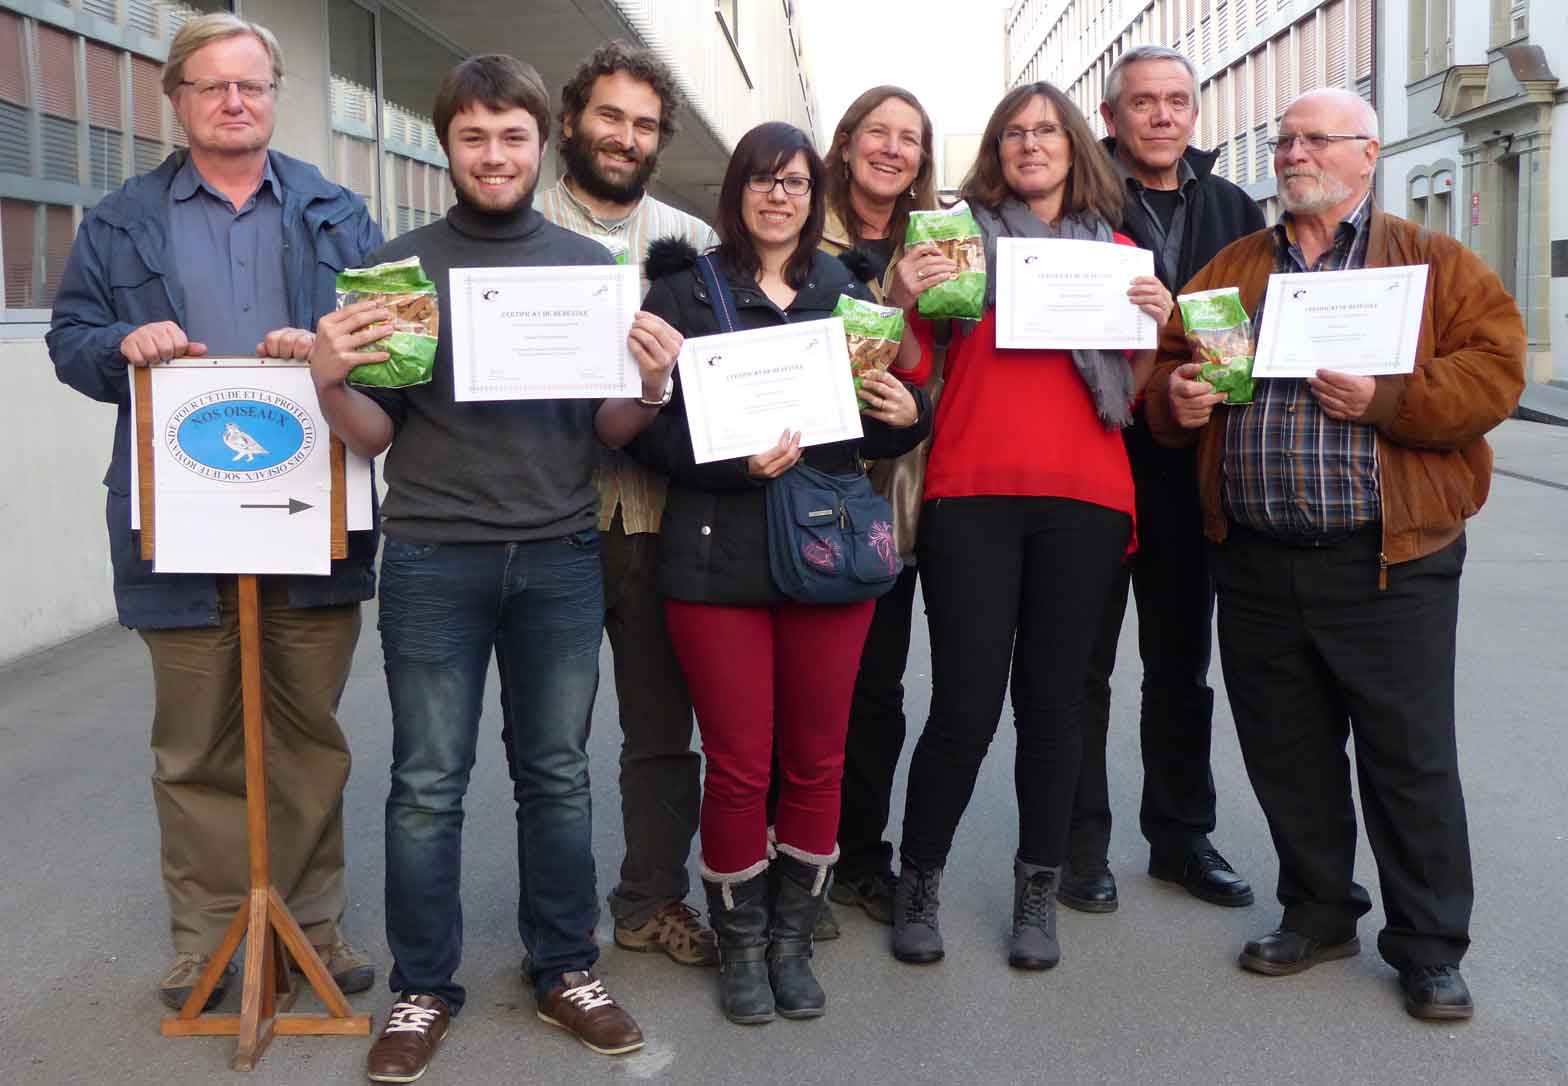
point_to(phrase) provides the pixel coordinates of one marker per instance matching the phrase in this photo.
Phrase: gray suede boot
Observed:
(917, 938)
(800, 888)
(1034, 944)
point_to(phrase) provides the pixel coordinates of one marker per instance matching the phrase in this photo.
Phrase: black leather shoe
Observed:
(1436, 993)
(1205, 875)
(1088, 891)
(1282, 952)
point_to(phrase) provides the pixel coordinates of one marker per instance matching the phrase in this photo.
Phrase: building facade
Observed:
(1470, 94)
(81, 110)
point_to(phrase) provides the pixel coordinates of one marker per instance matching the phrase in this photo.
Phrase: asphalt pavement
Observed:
(1149, 994)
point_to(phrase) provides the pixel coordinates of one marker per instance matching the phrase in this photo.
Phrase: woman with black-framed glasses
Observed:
(763, 669)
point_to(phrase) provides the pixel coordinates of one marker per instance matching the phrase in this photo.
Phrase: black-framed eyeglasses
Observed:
(1312, 141)
(794, 184)
(215, 89)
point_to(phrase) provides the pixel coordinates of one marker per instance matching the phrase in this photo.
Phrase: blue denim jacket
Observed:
(117, 279)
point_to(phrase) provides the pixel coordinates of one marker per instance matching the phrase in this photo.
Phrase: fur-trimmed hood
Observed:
(666, 256)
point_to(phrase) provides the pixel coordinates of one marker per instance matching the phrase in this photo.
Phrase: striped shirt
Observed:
(623, 483)
(1291, 471)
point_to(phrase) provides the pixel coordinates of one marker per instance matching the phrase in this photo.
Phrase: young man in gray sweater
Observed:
(491, 545)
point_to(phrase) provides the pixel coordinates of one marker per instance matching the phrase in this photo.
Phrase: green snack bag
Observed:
(957, 235)
(1220, 333)
(400, 286)
(618, 249)
(873, 332)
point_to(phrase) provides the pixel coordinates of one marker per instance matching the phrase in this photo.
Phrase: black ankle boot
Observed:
(800, 887)
(738, 913)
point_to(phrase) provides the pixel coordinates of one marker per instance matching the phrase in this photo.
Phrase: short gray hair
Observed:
(1113, 81)
(202, 31)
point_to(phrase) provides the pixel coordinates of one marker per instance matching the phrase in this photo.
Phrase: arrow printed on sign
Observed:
(293, 505)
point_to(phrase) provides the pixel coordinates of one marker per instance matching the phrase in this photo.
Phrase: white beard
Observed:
(1330, 193)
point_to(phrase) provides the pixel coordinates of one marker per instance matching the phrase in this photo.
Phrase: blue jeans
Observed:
(444, 607)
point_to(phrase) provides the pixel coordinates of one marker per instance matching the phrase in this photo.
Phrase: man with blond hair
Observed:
(227, 248)
(1335, 506)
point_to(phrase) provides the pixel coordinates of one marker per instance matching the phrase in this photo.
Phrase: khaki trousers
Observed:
(198, 781)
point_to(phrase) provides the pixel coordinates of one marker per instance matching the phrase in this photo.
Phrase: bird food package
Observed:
(874, 333)
(402, 287)
(955, 232)
(1220, 334)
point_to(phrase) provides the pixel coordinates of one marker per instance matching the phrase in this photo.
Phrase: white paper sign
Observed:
(242, 467)
(744, 389)
(1365, 321)
(543, 333)
(1063, 294)
(357, 475)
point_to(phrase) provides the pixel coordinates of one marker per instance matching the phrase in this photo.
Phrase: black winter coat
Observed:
(1218, 213)
(713, 544)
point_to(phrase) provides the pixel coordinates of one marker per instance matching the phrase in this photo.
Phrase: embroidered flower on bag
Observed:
(881, 540)
(822, 553)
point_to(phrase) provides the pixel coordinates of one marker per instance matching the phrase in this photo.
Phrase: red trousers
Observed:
(760, 677)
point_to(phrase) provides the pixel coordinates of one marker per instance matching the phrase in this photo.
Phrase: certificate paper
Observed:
(1061, 294)
(1365, 322)
(543, 333)
(743, 389)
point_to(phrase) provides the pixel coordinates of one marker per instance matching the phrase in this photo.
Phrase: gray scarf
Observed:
(1107, 374)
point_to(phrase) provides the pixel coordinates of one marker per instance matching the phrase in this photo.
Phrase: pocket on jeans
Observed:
(399, 550)
(585, 540)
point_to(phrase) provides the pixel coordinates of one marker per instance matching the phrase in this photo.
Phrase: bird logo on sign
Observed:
(245, 447)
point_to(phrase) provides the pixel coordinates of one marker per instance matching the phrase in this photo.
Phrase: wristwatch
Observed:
(669, 390)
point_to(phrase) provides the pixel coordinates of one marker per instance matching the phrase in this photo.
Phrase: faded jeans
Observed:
(445, 608)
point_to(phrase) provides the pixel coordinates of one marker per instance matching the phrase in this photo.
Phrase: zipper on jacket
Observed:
(1382, 509)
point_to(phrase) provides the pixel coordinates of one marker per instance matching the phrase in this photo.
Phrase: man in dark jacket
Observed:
(1177, 208)
(227, 249)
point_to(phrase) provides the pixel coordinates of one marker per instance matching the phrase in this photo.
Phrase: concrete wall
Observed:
(55, 577)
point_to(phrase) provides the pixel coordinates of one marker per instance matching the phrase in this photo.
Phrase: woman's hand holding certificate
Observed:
(742, 388)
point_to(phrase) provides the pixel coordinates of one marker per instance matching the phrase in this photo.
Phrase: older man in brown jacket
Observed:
(1336, 507)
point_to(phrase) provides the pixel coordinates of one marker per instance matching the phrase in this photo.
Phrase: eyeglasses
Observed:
(794, 184)
(213, 90)
(1014, 137)
(1312, 141)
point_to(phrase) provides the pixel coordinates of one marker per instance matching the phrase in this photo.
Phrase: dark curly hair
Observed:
(635, 61)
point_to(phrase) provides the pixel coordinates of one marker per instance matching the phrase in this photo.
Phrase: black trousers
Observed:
(1011, 586)
(876, 735)
(660, 774)
(1174, 589)
(1314, 652)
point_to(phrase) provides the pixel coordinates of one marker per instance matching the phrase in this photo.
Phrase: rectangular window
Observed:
(67, 132)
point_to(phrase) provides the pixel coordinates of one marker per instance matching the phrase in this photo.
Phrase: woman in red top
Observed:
(1028, 513)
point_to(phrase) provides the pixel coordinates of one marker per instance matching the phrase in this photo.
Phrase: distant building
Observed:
(1470, 95)
(958, 155)
(1253, 57)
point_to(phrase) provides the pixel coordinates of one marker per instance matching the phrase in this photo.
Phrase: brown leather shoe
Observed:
(415, 1029)
(675, 929)
(177, 984)
(582, 1007)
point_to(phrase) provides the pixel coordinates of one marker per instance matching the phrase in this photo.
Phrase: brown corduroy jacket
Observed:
(1435, 466)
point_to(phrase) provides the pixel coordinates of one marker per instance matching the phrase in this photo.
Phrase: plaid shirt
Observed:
(1290, 470)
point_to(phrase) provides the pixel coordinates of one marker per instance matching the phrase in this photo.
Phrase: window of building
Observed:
(384, 144)
(1431, 37)
(1510, 20)
(79, 113)
(727, 12)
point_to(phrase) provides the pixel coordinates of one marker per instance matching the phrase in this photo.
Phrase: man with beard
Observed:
(490, 548)
(1336, 506)
(617, 113)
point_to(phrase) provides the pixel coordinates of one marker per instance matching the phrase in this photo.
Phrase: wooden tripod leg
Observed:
(197, 1001)
(305, 954)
